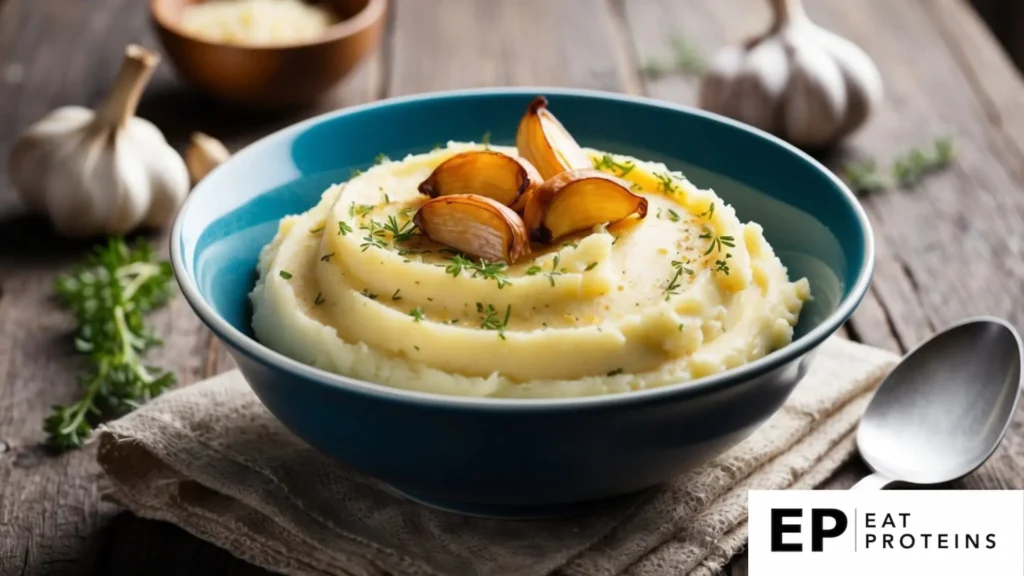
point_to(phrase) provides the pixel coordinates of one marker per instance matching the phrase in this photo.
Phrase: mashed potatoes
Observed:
(686, 292)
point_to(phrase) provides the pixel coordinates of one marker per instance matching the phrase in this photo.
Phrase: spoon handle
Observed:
(873, 482)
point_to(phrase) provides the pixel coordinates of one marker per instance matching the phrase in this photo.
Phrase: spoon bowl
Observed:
(943, 410)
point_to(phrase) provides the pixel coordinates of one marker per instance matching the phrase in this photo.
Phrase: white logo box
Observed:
(892, 532)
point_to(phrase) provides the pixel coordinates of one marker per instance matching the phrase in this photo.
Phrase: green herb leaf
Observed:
(417, 314)
(109, 295)
(381, 158)
(285, 274)
(343, 228)
(319, 299)
(327, 257)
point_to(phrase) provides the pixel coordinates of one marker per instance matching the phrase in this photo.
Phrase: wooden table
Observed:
(949, 249)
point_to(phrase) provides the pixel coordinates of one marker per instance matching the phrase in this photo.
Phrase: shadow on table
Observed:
(178, 111)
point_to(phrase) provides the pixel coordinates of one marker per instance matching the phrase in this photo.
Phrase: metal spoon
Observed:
(945, 407)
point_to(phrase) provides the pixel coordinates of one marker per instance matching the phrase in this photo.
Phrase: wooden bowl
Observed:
(272, 76)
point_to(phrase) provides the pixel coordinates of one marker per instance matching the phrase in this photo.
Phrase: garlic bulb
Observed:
(102, 172)
(798, 81)
(204, 153)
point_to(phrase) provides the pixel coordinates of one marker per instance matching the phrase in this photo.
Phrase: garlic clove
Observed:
(204, 153)
(814, 106)
(493, 175)
(474, 225)
(578, 200)
(544, 142)
(862, 78)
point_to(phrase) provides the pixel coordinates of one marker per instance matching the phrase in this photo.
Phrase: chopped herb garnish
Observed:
(387, 199)
(680, 326)
(554, 271)
(488, 270)
(285, 274)
(673, 286)
(359, 209)
(396, 296)
(417, 314)
(608, 163)
(381, 158)
(673, 215)
(716, 242)
(722, 265)
(490, 320)
(343, 228)
(453, 321)
(327, 257)
(437, 146)
(368, 294)
(573, 245)
(399, 233)
(533, 270)
(316, 229)
(590, 266)
(709, 212)
(616, 372)
(354, 172)
(665, 183)
(486, 140)
(457, 264)
(406, 212)
(319, 299)
(373, 237)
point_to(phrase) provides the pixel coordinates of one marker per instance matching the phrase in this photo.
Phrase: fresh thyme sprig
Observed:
(907, 171)
(109, 296)
(686, 60)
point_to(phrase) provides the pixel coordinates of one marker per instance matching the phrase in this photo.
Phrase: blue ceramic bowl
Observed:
(521, 457)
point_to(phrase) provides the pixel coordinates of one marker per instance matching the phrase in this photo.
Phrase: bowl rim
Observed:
(370, 14)
(730, 377)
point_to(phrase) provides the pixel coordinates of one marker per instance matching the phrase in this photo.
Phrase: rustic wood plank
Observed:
(445, 45)
(51, 517)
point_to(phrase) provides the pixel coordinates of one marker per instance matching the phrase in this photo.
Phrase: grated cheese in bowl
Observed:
(256, 22)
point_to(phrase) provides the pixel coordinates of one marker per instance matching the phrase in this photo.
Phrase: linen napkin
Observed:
(211, 459)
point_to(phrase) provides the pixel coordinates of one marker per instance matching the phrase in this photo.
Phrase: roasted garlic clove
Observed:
(579, 200)
(543, 141)
(474, 225)
(493, 175)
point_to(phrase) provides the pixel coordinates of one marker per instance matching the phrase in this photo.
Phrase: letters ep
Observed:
(782, 525)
